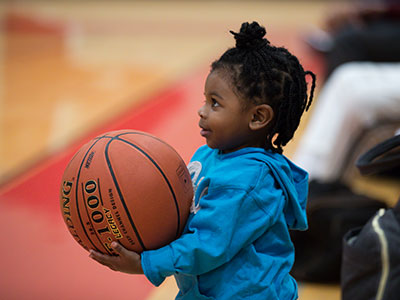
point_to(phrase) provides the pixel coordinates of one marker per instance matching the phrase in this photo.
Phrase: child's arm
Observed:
(209, 245)
(127, 261)
(228, 221)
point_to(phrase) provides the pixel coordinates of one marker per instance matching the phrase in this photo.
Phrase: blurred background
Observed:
(70, 70)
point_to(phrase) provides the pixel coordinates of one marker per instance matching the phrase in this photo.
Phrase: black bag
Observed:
(371, 256)
(371, 259)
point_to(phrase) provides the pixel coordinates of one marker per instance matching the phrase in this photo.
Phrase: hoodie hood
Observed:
(294, 182)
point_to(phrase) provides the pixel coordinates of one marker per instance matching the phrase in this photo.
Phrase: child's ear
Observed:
(261, 115)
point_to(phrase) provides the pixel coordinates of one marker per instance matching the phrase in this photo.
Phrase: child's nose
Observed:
(202, 112)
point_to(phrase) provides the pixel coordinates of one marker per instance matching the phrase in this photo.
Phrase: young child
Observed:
(236, 243)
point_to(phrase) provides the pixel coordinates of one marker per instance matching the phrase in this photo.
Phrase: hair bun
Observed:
(251, 36)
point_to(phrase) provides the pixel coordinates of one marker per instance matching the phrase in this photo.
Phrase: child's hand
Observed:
(127, 261)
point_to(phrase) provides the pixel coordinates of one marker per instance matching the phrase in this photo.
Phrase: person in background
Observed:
(362, 30)
(357, 96)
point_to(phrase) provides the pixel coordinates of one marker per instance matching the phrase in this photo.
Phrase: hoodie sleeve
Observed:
(228, 220)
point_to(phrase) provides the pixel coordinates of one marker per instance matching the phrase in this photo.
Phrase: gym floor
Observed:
(74, 69)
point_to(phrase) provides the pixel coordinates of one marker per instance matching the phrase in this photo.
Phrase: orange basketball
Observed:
(126, 186)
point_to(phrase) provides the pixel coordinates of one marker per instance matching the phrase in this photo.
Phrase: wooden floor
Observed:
(70, 69)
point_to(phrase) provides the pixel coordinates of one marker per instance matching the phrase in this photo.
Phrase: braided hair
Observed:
(265, 74)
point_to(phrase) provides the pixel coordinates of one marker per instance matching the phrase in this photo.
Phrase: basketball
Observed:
(126, 186)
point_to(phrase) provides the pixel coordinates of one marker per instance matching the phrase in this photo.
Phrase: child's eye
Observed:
(214, 103)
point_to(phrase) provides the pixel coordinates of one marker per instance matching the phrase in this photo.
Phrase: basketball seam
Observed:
(150, 136)
(76, 197)
(165, 178)
(120, 194)
(159, 169)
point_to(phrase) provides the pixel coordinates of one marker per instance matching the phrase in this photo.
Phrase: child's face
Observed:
(223, 121)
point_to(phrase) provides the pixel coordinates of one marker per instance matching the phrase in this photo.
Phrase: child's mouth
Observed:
(204, 132)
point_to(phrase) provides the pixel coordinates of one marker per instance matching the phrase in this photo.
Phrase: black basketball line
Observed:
(118, 189)
(101, 198)
(121, 197)
(157, 166)
(150, 136)
(91, 223)
(76, 195)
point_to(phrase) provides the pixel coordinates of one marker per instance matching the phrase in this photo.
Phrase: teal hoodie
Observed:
(236, 243)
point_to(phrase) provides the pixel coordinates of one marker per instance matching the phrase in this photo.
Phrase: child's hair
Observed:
(262, 73)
